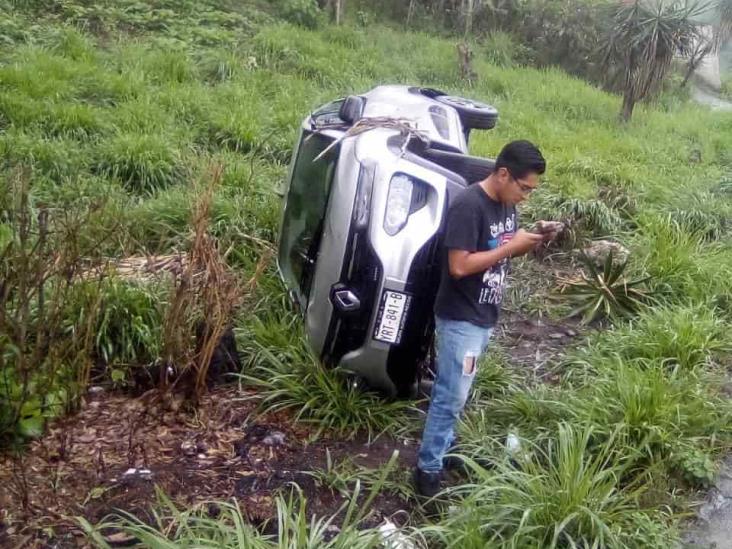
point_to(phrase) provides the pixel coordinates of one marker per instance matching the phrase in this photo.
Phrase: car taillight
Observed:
(398, 203)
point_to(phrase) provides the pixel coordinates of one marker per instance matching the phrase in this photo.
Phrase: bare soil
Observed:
(115, 452)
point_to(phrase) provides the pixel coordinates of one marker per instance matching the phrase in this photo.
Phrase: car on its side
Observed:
(369, 183)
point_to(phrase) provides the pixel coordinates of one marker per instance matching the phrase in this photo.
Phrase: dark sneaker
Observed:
(426, 483)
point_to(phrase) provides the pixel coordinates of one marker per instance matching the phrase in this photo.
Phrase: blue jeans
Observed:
(459, 346)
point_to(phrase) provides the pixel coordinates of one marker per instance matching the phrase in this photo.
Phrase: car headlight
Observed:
(362, 203)
(398, 202)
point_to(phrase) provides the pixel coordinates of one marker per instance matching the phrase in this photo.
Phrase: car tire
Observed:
(473, 114)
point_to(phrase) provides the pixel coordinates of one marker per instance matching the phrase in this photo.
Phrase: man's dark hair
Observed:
(521, 158)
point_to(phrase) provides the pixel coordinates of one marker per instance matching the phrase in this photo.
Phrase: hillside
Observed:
(114, 115)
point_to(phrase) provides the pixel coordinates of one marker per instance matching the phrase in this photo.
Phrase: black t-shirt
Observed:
(475, 223)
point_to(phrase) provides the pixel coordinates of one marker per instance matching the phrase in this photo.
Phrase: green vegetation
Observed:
(604, 292)
(230, 529)
(112, 110)
(287, 376)
(726, 89)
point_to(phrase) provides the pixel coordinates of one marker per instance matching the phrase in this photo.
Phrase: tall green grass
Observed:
(289, 377)
(565, 495)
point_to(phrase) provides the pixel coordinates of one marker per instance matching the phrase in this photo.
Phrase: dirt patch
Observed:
(114, 453)
(533, 343)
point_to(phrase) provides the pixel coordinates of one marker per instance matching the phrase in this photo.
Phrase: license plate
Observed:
(392, 312)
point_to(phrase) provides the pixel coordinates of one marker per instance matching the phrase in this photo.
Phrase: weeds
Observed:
(684, 337)
(287, 376)
(606, 293)
(202, 304)
(128, 319)
(143, 163)
(230, 528)
(43, 366)
(344, 476)
(565, 495)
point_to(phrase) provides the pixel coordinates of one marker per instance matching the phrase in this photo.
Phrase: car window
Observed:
(302, 223)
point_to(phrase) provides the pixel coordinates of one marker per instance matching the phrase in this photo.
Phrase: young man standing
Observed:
(481, 236)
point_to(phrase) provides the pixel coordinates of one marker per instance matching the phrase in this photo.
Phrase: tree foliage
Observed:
(645, 37)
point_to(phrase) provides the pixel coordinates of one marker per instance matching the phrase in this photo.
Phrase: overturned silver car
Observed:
(359, 251)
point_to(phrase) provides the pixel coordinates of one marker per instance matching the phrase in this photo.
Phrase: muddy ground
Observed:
(115, 451)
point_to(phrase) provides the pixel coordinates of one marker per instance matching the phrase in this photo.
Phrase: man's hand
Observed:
(523, 242)
(549, 229)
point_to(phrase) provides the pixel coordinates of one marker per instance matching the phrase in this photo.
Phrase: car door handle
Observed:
(346, 301)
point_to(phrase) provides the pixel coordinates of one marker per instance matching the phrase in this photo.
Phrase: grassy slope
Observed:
(136, 118)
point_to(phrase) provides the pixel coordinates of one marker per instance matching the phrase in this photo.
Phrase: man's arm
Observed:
(463, 263)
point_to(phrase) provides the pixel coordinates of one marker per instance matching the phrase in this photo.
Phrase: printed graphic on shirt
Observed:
(493, 279)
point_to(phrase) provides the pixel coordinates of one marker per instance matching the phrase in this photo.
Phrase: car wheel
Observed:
(474, 114)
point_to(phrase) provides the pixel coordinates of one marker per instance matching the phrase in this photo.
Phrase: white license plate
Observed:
(390, 322)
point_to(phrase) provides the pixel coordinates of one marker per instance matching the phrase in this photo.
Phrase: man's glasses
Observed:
(526, 189)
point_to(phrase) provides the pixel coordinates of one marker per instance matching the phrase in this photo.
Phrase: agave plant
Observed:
(605, 292)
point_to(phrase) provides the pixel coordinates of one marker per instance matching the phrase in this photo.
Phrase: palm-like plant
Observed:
(711, 42)
(645, 37)
(606, 292)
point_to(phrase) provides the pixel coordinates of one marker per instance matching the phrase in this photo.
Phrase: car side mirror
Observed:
(352, 109)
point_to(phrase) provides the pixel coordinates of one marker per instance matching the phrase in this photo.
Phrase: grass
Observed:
(565, 495)
(142, 163)
(129, 320)
(725, 90)
(229, 528)
(120, 106)
(288, 377)
(687, 337)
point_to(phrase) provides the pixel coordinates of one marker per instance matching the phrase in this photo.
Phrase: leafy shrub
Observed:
(301, 12)
(128, 319)
(142, 163)
(696, 465)
(605, 293)
(565, 34)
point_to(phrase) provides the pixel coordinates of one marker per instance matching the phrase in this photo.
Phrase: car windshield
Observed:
(302, 223)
